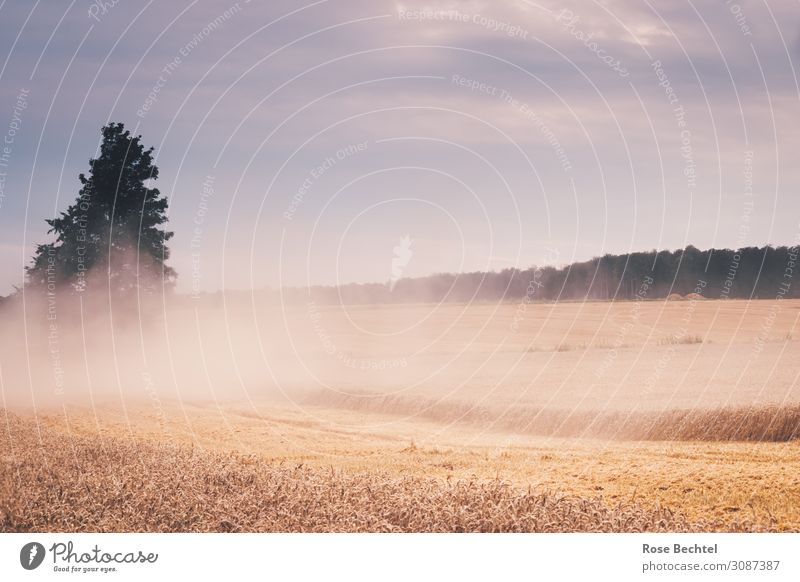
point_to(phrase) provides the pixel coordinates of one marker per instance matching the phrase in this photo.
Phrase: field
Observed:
(627, 416)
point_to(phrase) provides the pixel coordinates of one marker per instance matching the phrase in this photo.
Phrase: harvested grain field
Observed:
(628, 416)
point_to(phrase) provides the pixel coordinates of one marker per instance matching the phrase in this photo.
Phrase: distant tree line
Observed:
(751, 272)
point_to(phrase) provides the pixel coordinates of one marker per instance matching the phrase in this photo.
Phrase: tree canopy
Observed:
(113, 233)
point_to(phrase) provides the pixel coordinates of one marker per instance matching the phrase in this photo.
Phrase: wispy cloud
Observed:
(256, 94)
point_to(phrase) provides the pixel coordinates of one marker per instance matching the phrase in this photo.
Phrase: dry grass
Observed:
(762, 423)
(569, 347)
(52, 482)
(491, 413)
(676, 340)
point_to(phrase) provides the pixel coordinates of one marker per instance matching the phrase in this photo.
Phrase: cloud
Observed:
(248, 83)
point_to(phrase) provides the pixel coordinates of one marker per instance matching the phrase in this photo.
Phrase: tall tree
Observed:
(113, 230)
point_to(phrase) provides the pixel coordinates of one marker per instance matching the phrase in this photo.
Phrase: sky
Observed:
(343, 141)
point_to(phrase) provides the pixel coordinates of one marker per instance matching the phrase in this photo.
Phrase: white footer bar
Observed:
(387, 557)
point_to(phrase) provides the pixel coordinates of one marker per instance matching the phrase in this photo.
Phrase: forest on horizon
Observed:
(748, 273)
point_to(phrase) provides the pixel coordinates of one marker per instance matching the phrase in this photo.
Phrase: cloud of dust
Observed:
(60, 347)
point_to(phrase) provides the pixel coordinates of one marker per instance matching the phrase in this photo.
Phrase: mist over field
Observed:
(557, 394)
(483, 363)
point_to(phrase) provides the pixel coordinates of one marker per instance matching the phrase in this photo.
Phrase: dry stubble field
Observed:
(620, 416)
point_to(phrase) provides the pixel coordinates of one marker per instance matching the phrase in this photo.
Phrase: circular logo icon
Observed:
(31, 555)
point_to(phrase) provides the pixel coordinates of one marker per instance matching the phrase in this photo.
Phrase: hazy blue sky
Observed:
(487, 132)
